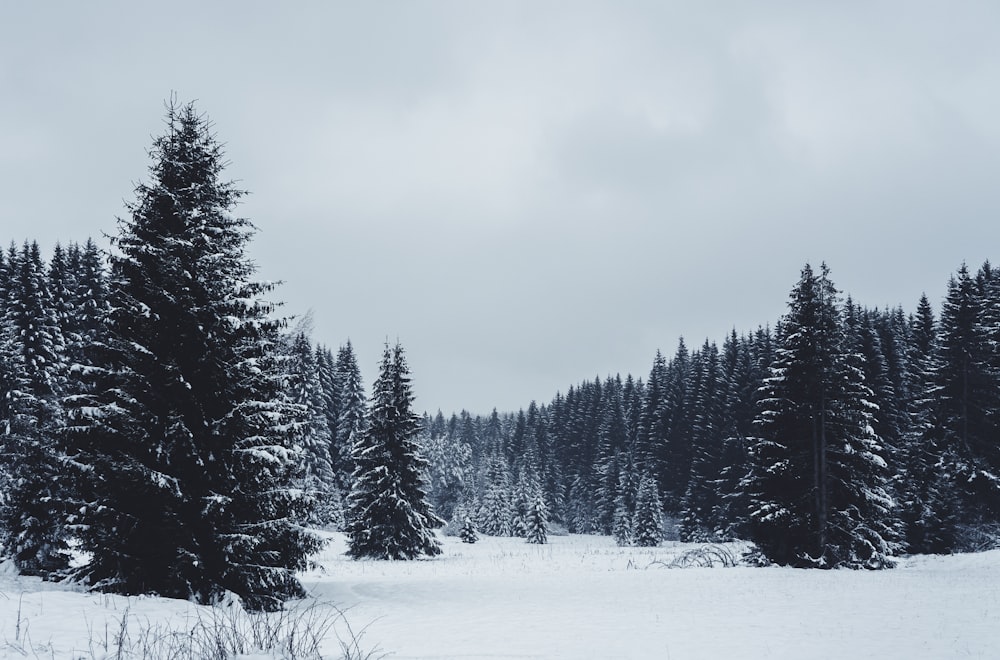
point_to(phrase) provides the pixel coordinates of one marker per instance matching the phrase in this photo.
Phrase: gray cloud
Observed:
(529, 194)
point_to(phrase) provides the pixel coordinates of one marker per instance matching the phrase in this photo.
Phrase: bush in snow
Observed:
(468, 532)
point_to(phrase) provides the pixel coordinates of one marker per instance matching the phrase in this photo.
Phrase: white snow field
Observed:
(577, 597)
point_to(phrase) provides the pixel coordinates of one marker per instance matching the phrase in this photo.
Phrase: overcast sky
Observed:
(530, 194)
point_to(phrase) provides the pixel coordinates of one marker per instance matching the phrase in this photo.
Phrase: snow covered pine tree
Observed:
(304, 388)
(818, 485)
(183, 436)
(648, 514)
(621, 526)
(468, 532)
(537, 523)
(31, 348)
(352, 413)
(390, 517)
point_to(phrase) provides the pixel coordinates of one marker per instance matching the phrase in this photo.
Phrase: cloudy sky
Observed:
(530, 194)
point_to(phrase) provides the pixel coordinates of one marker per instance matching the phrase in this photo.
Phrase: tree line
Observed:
(842, 436)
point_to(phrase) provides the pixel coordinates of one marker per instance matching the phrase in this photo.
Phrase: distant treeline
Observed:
(842, 436)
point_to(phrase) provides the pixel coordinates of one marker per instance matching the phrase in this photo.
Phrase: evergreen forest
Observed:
(160, 420)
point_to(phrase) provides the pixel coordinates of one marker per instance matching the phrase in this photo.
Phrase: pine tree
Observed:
(89, 303)
(965, 392)
(522, 496)
(651, 432)
(61, 287)
(675, 419)
(329, 410)
(352, 411)
(621, 527)
(743, 380)
(817, 485)
(582, 507)
(929, 508)
(648, 514)
(449, 469)
(390, 517)
(701, 508)
(612, 439)
(496, 511)
(182, 432)
(313, 433)
(608, 469)
(35, 537)
(537, 524)
(468, 532)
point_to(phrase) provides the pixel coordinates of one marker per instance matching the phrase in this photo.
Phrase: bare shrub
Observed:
(225, 632)
(706, 556)
(978, 537)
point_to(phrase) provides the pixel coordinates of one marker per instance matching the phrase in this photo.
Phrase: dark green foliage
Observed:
(537, 523)
(817, 485)
(32, 350)
(743, 378)
(928, 494)
(651, 431)
(621, 527)
(673, 449)
(182, 435)
(648, 530)
(927, 391)
(390, 517)
(468, 532)
(449, 469)
(966, 392)
(329, 411)
(702, 508)
(857, 392)
(496, 512)
(303, 388)
(352, 412)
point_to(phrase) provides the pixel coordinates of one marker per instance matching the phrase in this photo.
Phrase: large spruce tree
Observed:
(817, 487)
(390, 517)
(183, 435)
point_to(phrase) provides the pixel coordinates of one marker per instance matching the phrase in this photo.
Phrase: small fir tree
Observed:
(468, 532)
(537, 523)
(621, 526)
(648, 514)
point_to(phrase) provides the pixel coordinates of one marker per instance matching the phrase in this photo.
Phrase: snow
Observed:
(577, 597)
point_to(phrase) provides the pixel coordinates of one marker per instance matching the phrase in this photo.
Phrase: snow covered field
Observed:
(577, 597)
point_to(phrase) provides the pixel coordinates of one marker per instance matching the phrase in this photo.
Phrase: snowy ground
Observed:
(577, 597)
